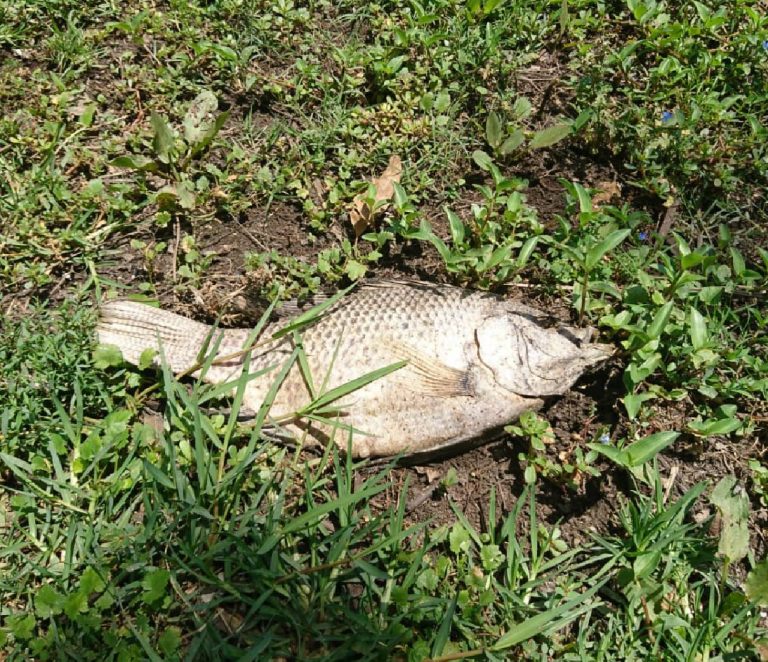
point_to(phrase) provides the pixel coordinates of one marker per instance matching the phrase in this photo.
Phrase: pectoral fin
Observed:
(428, 375)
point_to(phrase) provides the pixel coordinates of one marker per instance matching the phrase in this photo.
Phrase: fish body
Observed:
(472, 362)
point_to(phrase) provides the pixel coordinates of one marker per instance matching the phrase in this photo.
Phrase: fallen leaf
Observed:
(318, 188)
(363, 209)
(430, 473)
(606, 192)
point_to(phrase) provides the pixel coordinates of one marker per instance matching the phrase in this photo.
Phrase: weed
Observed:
(174, 153)
(570, 471)
(498, 240)
(505, 139)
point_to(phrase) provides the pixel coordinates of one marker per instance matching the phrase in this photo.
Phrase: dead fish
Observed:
(473, 363)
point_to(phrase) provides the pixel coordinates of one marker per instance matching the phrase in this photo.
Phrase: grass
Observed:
(130, 130)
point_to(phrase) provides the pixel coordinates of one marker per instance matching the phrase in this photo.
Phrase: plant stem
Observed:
(584, 285)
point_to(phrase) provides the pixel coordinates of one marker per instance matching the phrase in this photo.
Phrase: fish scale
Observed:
(473, 363)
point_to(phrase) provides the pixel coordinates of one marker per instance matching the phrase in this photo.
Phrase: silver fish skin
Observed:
(475, 362)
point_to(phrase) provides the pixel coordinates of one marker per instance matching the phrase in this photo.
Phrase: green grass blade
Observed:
(549, 621)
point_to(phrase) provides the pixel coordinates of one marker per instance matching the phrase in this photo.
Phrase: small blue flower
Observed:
(605, 438)
(642, 236)
(667, 116)
(765, 44)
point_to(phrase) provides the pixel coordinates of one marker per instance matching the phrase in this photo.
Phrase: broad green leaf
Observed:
(482, 159)
(491, 557)
(526, 251)
(164, 140)
(606, 287)
(633, 402)
(140, 163)
(457, 227)
(697, 328)
(739, 265)
(596, 253)
(48, 601)
(212, 132)
(185, 193)
(711, 293)
(756, 585)
(522, 107)
(581, 194)
(21, 625)
(549, 136)
(91, 581)
(715, 426)
(691, 260)
(75, 603)
(459, 539)
(442, 101)
(86, 117)
(474, 6)
(498, 256)
(107, 356)
(530, 475)
(646, 563)
(147, 358)
(733, 504)
(154, 584)
(647, 448)
(584, 117)
(614, 454)
(636, 454)
(395, 63)
(514, 141)
(169, 642)
(400, 197)
(490, 5)
(355, 270)
(167, 197)
(425, 230)
(574, 253)
(683, 248)
(493, 130)
(660, 320)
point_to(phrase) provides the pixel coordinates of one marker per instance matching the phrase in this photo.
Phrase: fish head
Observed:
(534, 361)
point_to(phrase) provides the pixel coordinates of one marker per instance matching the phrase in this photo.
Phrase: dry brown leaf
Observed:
(362, 212)
(606, 192)
(431, 474)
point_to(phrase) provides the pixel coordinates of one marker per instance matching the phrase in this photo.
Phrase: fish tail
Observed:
(134, 327)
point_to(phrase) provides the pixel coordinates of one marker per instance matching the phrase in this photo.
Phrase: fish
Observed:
(458, 364)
